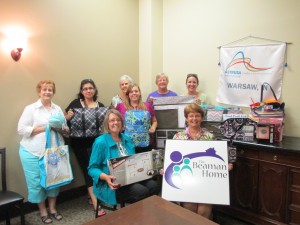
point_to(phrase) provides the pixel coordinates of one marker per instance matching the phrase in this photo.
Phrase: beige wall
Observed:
(69, 41)
(193, 29)
(150, 46)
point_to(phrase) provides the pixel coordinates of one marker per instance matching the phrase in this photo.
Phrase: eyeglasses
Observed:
(88, 89)
(116, 120)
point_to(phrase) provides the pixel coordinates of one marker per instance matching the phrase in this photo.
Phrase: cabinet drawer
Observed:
(295, 179)
(282, 158)
(247, 153)
(295, 199)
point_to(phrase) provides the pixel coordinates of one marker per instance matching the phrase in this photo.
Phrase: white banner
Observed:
(245, 68)
(196, 171)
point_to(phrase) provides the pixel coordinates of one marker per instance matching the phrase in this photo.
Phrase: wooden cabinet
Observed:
(265, 183)
(272, 191)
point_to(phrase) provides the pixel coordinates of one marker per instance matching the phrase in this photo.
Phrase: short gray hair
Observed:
(126, 77)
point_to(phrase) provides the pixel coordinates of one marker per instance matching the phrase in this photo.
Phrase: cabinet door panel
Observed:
(294, 199)
(244, 184)
(272, 190)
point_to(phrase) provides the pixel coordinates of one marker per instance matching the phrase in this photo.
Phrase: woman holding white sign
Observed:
(194, 114)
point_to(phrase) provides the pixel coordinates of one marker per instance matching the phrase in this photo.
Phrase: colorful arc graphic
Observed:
(246, 62)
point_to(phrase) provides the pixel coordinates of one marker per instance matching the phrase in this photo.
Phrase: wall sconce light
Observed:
(16, 53)
(15, 41)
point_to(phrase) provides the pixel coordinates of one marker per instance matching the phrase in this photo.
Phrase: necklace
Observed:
(122, 150)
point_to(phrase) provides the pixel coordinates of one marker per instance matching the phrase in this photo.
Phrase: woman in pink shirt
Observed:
(134, 101)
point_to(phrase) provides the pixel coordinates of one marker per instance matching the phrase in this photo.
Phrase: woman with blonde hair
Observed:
(161, 82)
(112, 144)
(134, 102)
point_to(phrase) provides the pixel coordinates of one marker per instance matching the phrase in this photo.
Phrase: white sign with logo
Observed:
(196, 171)
(243, 69)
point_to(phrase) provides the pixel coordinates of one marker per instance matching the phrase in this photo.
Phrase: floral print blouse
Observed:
(203, 134)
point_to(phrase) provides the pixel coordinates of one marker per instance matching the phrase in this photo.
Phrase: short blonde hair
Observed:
(192, 108)
(161, 75)
(47, 82)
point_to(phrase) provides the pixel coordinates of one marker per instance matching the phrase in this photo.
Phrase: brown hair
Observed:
(192, 75)
(127, 103)
(193, 107)
(42, 82)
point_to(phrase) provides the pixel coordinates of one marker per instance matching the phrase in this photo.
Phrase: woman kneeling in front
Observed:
(112, 144)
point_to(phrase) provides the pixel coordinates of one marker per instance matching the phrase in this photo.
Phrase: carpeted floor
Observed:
(78, 211)
(75, 212)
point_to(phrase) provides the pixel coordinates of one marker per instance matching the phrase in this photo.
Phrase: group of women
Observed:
(92, 152)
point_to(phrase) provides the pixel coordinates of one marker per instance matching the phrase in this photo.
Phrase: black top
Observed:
(85, 142)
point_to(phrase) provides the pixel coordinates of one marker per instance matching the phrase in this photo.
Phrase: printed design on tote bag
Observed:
(54, 159)
(182, 167)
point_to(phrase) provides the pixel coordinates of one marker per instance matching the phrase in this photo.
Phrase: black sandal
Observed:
(57, 216)
(46, 219)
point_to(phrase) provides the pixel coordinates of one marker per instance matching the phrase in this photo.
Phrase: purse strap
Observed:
(237, 130)
(264, 86)
(48, 137)
(83, 121)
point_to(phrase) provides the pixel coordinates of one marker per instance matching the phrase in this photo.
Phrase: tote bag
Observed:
(54, 163)
(271, 108)
(87, 122)
(241, 129)
(137, 124)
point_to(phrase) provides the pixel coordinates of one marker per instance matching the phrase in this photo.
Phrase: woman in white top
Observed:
(31, 127)
(192, 83)
(124, 82)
